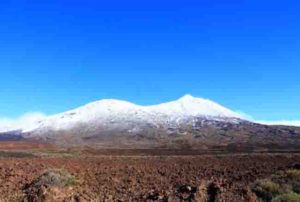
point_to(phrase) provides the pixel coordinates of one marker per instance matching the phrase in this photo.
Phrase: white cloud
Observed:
(248, 117)
(283, 122)
(25, 122)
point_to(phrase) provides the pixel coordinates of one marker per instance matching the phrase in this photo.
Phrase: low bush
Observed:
(266, 189)
(281, 187)
(57, 177)
(293, 174)
(50, 185)
(270, 186)
(288, 197)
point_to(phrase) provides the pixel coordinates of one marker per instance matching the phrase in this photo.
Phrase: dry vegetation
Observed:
(284, 186)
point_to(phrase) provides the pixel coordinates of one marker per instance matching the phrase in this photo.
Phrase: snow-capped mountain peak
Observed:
(192, 106)
(186, 123)
(188, 98)
(107, 111)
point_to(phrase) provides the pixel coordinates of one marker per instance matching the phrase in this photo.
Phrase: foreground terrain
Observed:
(55, 175)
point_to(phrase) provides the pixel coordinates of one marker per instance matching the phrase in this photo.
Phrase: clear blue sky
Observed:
(60, 54)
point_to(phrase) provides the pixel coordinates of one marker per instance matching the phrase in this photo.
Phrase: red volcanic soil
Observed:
(133, 175)
(24, 145)
(145, 178)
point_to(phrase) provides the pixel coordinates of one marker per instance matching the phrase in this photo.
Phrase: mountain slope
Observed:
(189, 123)
(107, 112)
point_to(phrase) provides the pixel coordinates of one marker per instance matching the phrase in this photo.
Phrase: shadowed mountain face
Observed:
(11, 135)
(195, 133)
(187, 123)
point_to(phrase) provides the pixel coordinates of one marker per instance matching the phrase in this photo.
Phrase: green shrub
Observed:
(56, 177)
(270, 186)
(266, 189)
(288, 197)
(283, 186)
(293, 174)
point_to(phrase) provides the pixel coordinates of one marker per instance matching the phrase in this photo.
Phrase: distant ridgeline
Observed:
(188, 123)
(11, 135)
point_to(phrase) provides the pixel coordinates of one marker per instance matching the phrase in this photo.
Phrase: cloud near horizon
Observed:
(282, 122)
(269, 122)
(25, 122)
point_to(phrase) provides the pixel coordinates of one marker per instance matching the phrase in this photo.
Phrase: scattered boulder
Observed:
(186, 193)
(295, 166)
(156, 196)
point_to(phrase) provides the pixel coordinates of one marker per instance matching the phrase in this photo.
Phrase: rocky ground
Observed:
(137, 177)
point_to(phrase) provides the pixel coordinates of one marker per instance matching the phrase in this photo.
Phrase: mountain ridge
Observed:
(189, 122)
(182, 107)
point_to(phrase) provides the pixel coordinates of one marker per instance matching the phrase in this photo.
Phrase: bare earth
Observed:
(134, 177)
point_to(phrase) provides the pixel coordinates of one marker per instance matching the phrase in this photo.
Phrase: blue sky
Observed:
(59, 54)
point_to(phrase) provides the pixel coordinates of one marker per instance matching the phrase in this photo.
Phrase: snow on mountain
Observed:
(114, 113)
(191, 106)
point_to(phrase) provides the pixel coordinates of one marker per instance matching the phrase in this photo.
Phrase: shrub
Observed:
(288, 197)
(282, 187)
(266, 189)
(56, 177)
(50, 185)
(270, 186)
(293, 174)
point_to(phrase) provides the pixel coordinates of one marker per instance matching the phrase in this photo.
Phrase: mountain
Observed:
(188, 123)
(109, 112)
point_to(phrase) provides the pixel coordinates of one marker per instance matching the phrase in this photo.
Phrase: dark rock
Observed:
(295, 166)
